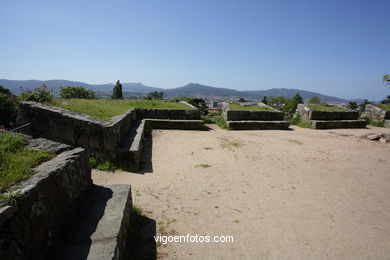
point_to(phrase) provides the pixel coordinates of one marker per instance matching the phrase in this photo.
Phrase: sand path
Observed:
(301, 194)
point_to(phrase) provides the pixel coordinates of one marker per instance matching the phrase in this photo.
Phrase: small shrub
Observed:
(314, 100)
(76, 92)
(41, 95)
(373, 122)
(298, 121)
(101, 164)
(155, 95)
(8, 110)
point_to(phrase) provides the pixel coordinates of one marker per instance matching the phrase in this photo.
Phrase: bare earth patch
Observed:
(302, 194)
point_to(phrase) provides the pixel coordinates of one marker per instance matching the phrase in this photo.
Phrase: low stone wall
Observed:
(175, 114)
(74, 128)
(236, 115)
(45, 203)
(101, 137)
(375, 113)
(309, 114)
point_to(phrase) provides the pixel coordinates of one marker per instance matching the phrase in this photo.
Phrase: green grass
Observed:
(326, 108)
(102, 165)
(373, 122)
(105, 109)
(238, 107)
(384, 107)
(17, 161)
(215, 118)
(203, 165)
(298, 121)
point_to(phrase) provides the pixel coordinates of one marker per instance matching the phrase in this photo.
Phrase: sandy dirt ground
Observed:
(299, 194)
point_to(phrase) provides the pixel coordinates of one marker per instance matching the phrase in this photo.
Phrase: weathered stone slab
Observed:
(175, 124)
(258, 125)
(101, 228)
(336, 115)
(337, 124)
(173, 114)
(46, 202)
(48, 145)
(307, 113)
(129, 152)
(375, 113)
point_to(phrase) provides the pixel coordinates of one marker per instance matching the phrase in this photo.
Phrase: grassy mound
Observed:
(254, 107)
(17, 161)
(105, 109)
(327, 108)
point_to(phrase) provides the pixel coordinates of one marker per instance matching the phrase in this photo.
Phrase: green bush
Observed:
(373, 122)
(76, 92)
(314, 100)
(8, 110)
(102, 165)
(41, 95)
(298, 121)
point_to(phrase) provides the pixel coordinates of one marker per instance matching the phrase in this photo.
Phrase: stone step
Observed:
(337, 124)
(101, 229)
(175, 124)
(258, 125)
(129, 151)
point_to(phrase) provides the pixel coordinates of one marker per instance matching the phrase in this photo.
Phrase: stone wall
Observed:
(74, 128)
(98, 136)
(235, 115)
(309, 114)
(175, 114)
(376, 113)
(45, 203)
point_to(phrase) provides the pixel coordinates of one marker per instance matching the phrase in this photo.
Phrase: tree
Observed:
(277, 102)
(155, 95)
(117, 91)
(77, 92)
(386, 100)
(264, 101)
(292, 104)
(241, 100)
(8, 109)
(5, 90)
(352, 105)
(386, 79)
(314, 100)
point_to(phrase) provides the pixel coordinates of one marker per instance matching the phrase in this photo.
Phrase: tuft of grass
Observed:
(105, 109)
(101, 164)
(298, 121)
(17, 161)
(295, 141)
(253, 107)
(373, 122)
(215, 118)
(326, 108)
(227, 143)
(203, 165)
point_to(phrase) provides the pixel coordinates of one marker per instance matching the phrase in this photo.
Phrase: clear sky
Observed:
(339, 48)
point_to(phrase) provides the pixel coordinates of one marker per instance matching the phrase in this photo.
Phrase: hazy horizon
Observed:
(336, 48)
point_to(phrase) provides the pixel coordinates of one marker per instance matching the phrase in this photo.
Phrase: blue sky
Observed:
(339, 48)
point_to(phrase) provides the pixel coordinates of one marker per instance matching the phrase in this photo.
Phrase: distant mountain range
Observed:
(191, 90)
